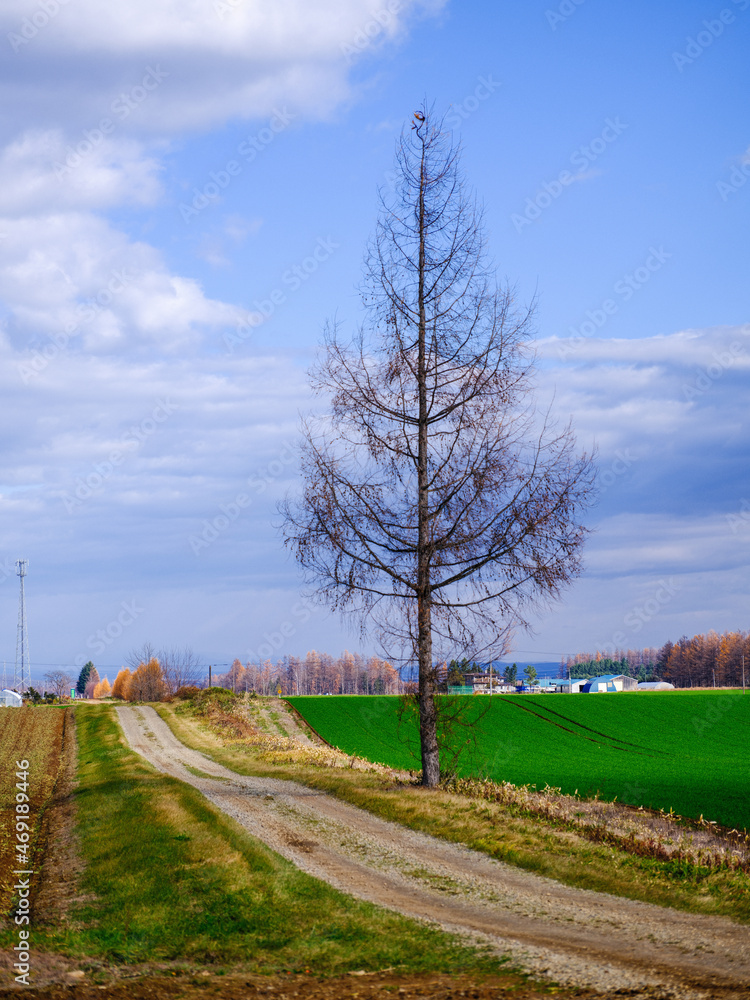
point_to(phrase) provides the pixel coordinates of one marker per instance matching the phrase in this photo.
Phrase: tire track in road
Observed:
(573, 936)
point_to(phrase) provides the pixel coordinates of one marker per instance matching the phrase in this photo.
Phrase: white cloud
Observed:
(184, 64)
(71, 274)
(284, 29)
(109, 466)
(647, 393)
(191, 431)
(41, 171)
(666, 543)
(683, 349)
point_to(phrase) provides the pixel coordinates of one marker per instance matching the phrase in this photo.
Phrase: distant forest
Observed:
(317, 673)
(697, 662)
(704, 661)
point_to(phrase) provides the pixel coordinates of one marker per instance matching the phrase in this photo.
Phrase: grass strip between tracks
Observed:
(171, 879)
(504, 833)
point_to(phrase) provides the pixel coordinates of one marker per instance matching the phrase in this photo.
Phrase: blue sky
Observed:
(186, 189)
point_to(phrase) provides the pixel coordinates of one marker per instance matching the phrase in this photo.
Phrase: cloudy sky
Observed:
(186, 188)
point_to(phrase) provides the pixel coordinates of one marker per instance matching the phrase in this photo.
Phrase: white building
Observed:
(610, 682)
(9, 699)
(572, 686)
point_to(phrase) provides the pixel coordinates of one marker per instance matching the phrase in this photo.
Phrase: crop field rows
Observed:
(682, 750)
(33, 736)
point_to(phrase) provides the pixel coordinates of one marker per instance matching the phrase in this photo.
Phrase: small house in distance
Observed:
(484, 683)
(610, 683)
(655, 686)
(9, 699)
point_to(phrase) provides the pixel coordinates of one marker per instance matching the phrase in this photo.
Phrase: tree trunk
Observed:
(427, 707)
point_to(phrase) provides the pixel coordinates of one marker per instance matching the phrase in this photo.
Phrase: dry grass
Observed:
(243, 720)
(645, 832)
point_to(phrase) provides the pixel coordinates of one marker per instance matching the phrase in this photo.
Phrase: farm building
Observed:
(655, 686)
(610, 683)
(9, 699)
(572, 686)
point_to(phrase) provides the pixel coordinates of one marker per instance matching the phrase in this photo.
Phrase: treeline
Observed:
(704, 661)
(317, 673)
(155, 678)
(707, 660)
(639, 663)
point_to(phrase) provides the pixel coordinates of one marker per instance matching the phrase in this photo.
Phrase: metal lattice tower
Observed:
(22, 673)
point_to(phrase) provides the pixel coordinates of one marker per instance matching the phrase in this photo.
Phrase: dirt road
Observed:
(572, 936)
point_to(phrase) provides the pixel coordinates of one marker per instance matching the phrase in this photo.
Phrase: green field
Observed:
(685, 750)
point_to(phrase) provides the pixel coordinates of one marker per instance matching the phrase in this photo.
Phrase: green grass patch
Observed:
(682, 750)
(171, 879)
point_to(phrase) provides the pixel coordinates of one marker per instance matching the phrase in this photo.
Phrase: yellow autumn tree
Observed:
(118, 688)
(147, 683)
(102, 689)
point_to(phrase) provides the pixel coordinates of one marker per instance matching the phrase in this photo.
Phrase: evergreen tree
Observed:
(83, 678)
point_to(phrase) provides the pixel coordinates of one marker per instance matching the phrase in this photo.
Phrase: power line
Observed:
(117, 666)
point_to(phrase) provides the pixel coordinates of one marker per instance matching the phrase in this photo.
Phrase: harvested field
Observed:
(34, 735)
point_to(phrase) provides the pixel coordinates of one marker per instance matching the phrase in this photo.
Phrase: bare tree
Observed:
(140, 654)
(93, 680)
(180, 667)
(59, 681)
(437, 505)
